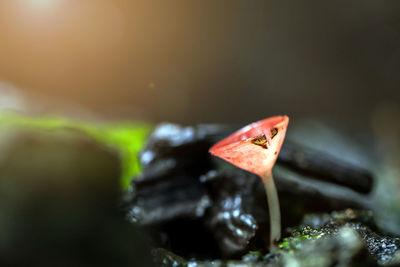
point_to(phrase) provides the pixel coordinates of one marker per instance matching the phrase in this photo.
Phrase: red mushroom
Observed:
(255, 148)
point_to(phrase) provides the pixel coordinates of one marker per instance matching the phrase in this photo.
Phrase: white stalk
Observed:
(274, 210)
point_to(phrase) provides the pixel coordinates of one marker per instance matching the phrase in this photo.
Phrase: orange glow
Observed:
(42, 3)
(39, 7)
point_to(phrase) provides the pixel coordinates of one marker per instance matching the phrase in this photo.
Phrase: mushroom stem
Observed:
(274, 210)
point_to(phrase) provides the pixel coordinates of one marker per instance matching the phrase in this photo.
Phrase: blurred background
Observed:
(203, 61)
(188, 62)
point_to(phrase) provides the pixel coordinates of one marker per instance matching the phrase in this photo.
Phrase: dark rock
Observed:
(182, 187)
(343, 249)
(347, 238)
(324, 167)
(382, 248)
(168, 196)
(168, 188)
(301, 194)
(166, 201)
(188, 144)
(238, 217)
(165, 258)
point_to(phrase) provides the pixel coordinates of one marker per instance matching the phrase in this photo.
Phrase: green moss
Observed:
(298, 236)
(255, 252)
(126, 137)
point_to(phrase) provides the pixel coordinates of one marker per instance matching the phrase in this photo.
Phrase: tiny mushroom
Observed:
(255, 148)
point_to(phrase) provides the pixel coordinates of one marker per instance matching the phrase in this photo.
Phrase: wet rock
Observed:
(394, 261)
(238, 217)
(381, 248)
(339, 218)
(222, 263)
(324, 167)
(342, 238)
(182, 187)
(175, 198)
(343, 249)
(165, 258)
(186, 143)
(301, 194)
(168, 196)
(168, 188)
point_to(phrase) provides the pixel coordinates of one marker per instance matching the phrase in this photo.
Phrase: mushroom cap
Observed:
(254, 147)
